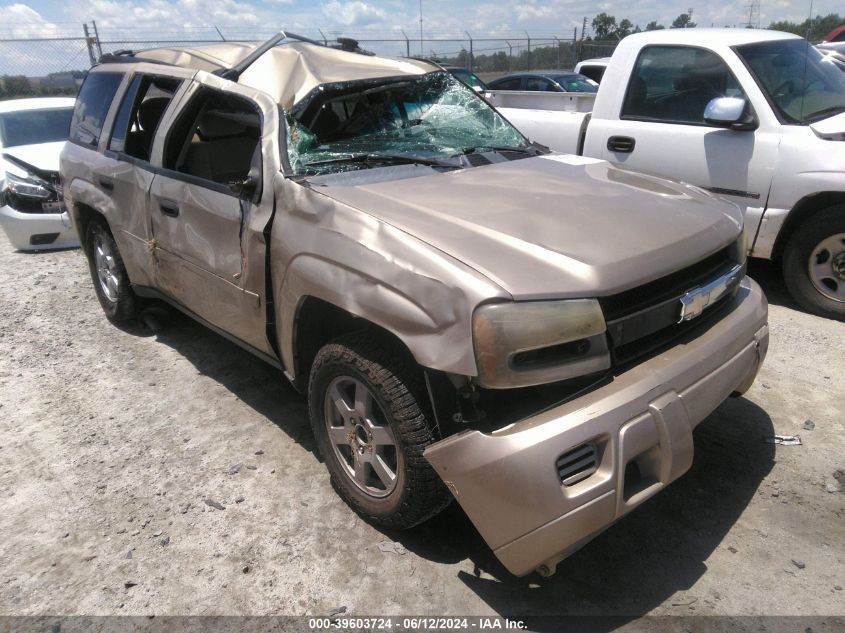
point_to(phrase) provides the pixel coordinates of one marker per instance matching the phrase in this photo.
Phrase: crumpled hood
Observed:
(42, 155)
(544, 227)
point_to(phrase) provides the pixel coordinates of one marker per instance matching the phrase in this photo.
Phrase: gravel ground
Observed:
(173, 473)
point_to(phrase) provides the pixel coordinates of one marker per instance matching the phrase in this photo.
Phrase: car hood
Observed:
(554, 226)
(42, 155)
(831, 128)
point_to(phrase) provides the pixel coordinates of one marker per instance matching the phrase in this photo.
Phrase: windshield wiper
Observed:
(533, 149)
(382, 158)
(823, 114)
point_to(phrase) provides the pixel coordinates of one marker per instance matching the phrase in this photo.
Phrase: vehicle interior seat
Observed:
(149, 114)
(695, 86)
(636, 100)
(225, 152)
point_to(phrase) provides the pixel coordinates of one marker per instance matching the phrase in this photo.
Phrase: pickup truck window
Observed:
(215, 138)
(674, 84)
(427, 119)
(801, 84)
(140, 112)
(92, 106)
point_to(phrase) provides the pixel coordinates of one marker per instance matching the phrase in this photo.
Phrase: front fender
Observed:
(327, 250)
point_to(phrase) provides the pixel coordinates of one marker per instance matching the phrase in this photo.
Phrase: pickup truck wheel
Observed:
(814, 264)
(364, 404)
(111, 283)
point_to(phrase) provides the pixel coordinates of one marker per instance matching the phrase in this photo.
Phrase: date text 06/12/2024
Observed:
(414, 623)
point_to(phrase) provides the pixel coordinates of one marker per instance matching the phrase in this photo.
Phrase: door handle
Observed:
(622, 144)
(168, 207)
(106, 183)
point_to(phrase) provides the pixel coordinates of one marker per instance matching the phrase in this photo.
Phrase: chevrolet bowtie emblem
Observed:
(696, 300)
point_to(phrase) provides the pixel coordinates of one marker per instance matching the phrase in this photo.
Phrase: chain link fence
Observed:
(43, 66)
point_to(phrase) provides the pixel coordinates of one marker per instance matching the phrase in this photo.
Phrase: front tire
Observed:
(111, 283)
(814, 264)
(365, 408)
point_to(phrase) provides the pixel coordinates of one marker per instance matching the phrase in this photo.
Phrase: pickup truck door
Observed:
(208, 240)
(661, 129)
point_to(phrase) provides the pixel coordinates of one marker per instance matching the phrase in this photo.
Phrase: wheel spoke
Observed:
(820, 271)
(339, 435)
(383, 472)
(340, 402)
(381, 435)
(363, 401)
(360, 470)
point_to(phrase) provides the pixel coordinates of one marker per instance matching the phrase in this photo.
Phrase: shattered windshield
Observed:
(802, 84)
(427, 119)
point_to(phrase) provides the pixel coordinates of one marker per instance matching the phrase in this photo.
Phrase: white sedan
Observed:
(32, 134)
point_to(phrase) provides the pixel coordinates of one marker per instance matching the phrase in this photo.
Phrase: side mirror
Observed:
(733, 113)
(246, 188)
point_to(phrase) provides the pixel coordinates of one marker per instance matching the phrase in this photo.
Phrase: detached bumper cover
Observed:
(21, 227)
(641, 423)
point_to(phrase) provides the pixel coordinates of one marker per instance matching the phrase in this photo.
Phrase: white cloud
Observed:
(353, 13)
(21, 21)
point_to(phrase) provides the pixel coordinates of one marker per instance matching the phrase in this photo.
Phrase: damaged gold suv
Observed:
(472, 317)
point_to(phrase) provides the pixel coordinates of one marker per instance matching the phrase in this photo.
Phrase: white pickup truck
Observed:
(755, 116)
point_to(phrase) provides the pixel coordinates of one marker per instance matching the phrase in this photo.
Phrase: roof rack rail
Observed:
(238, 69)
(125, 55)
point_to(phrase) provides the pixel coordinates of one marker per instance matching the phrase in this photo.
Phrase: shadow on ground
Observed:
(657, 550)
(770, 277)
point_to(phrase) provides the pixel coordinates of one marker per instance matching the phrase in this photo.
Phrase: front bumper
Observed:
(38, 231)
(640, 424)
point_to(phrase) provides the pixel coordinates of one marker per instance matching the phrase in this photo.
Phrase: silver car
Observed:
(470, 316)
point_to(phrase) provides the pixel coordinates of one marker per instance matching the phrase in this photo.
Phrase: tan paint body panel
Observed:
(288, 73)
(416, 252)
(507, 481)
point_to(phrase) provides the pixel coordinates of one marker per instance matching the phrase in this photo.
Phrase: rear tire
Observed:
(111, 283)
(365, 408)
(814, 264)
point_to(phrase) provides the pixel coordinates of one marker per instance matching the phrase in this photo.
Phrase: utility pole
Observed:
(421, 30)
(753, 15)
(510, 56)
(471, 55)
(558, 50)
(583, 28)
(325, 41)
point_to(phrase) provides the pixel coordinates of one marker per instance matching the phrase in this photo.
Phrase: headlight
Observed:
(537, 342)
(28, 187)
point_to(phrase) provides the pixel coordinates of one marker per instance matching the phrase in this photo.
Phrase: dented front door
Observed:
(203, 233)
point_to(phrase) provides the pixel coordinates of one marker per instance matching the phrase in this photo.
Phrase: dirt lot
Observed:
(114, 442)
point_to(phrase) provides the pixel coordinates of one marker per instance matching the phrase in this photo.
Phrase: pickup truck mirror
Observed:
(733, 113)
(247, 187)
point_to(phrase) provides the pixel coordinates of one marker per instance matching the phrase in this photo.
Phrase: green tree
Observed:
(17, 85)
(625, 28)
(654, 26)
(604, 26)
(683, 21)
(813, 29)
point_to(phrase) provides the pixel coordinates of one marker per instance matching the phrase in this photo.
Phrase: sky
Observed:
(375, 17)
(33, 25)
